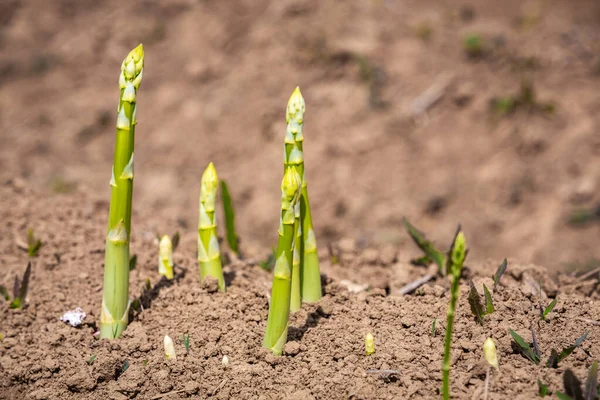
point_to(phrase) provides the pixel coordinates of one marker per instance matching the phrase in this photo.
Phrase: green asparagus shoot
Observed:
(232, 236)
(369, 344)
(133, 262)
(209, 255)
(306, 279)
(499, 273)
(431, 253)
(454, 264)
(33, 244)
(556, 357)
(115, 299)
(165, 257)
(279, 308)
(545, 311)
(20, 288)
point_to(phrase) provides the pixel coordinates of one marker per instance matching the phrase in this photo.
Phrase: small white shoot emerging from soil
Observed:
(225, 362)
(169, 349)
(369, 344)
(489, 352)
(165, 257)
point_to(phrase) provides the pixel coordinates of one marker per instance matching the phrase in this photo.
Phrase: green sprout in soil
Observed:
(433, 327)
(477, 308)
(431, 253)
(369, 344)
(186, 343)
(573, 388)
(19, 289)
(33, 244)
(165, 257)
(306, 282)
(534, 354)
(232, 236)
(456, 258)
(279, 309)
(543, 389)
(545, 311)
(115, 302)
(90, 361)
(473, 45)
(133, 262)
(499, 272)
(525, 99)
(269, 263)
(209, 255)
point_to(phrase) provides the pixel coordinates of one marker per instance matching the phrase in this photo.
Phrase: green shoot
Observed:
(269, 263)
(526, 350)
(489, 305)
(148, 284)
(433, 327)
(20, 288)
(499, 272)
(232, 236)
(90, 361)
(369, 344)
(473, 46)
(279, 308)
(431, 253)
(209, 255)
(536, 346)
(545, 311)
(115, 298)
(456, 258)
(133, 262)
(475, 303)
(186, 343)
(175, 240)
(555, 357)
(543, 389)
(33, 244)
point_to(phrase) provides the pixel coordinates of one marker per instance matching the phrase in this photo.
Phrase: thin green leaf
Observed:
(4, 293)
(421, 261)
(591, 383)
(475, 303)
(562, 396)
(186, 342)
(499, 273)
(433, 327)
(232, 237)
(425, 245)
(33, 244)
(23, 286)
(132, 262)
(489, 304)
(536, 346)
(555, 358)
(175, 240)
(524, 347)
(572, 385)
(91, 360)
(542, 389)
(549, 309)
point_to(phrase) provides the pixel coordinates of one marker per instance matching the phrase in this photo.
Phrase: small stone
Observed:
(210, 284)
(291, 348)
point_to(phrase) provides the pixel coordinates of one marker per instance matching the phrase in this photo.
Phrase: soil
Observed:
(217, 77)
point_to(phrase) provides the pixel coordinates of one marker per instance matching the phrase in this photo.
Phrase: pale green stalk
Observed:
(455, 260)
(309, 284)
(115, 298)
(209, 255)
(279, 308)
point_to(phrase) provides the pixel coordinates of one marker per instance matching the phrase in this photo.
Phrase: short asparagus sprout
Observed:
(225, 362)
(454, 264)
(165, 257)
(115, 299)
(169, 349)
(489, 352)
(209, 255)
(306, 275)
(369, 344)
(279, 309)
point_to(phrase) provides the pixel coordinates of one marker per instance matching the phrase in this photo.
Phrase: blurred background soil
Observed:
(483, 113)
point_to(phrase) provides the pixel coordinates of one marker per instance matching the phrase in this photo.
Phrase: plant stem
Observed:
(165, 257)
(279, 309)
(209, 255)
(309, 285)
(455, 260)
(115, 301)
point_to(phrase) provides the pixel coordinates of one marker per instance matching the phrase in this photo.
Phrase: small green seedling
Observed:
(186, 343)
(90, 361)
(19, 289)
(431, 253)
(33, 244)
(573, 387)
(477, 307)
(499, 272)
(543, 389)
(232, 236)
(534, 354)
(433, 327)
(545, 311)
(473, 45)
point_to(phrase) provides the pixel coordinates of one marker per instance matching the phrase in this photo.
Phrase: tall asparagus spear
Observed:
(279, 309)
(115, 301)
(309, 285)
(209, 255)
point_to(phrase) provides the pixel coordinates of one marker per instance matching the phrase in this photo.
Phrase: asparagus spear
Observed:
(165, 257)
(209, 255)
(115, 301)
(454, 263)
(309, 284)
(279, 309)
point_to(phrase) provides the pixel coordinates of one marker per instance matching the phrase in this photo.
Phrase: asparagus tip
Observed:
(369, 344)
(489, 352)
(169, 349)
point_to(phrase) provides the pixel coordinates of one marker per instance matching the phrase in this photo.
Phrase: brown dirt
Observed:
(43, 358)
